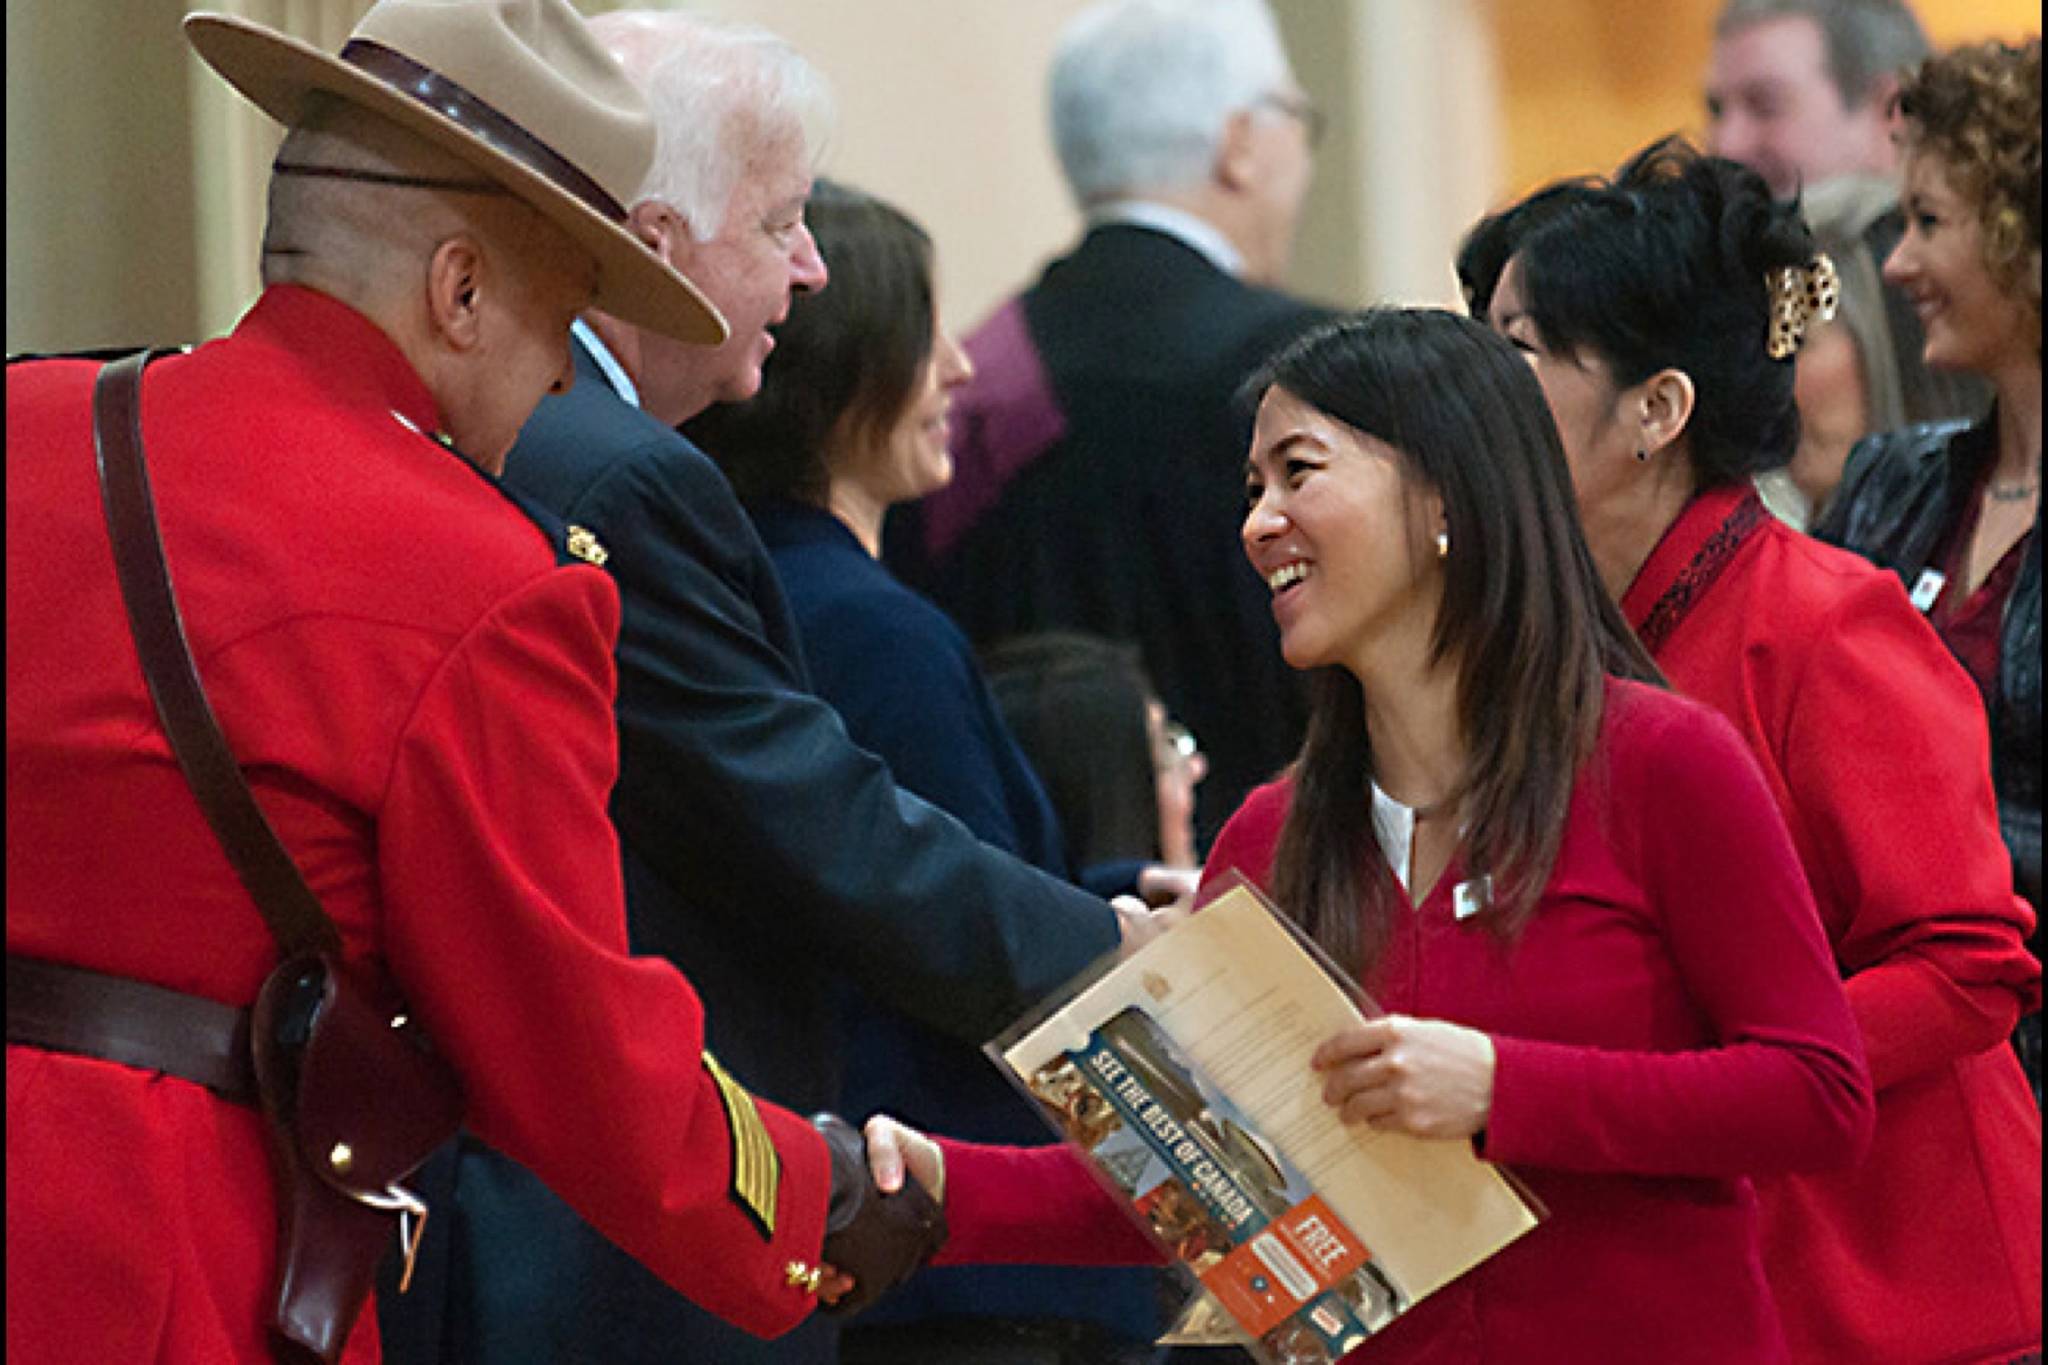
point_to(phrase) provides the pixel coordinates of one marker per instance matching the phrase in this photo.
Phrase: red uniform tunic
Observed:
(1668, 1024)
(1873, 742)
(423, 701)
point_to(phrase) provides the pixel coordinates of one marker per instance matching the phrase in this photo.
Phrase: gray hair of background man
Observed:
(718, 91)
(1141, 89)
(1865, 40)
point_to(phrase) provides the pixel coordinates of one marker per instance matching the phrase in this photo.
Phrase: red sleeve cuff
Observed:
(1033, 1206)
(1915, 1017)
(1521, 1074)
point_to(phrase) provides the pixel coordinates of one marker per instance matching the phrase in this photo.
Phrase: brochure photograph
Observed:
(1182, 1073)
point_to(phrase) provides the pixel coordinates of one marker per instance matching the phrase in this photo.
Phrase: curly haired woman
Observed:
(1955, 508)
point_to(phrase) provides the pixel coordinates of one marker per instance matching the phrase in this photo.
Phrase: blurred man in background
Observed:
(1801, 90)
(1099, 454)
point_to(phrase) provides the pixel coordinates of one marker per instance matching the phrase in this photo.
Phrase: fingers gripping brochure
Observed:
(1183, 1075)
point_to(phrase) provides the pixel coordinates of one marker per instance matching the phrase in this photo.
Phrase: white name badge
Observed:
(1927, 589)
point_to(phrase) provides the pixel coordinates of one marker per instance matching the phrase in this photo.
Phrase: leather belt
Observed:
(73, 1009)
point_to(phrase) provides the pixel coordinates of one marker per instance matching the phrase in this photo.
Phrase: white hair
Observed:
(1141, 89)
(721, 93)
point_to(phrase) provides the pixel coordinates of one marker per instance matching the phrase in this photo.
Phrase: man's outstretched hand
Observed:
(873, 1239)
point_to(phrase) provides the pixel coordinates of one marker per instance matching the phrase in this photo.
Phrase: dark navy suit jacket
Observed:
(765, 854)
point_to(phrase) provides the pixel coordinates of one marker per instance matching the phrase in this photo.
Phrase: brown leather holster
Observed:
(356, 1099)
(354, 1096)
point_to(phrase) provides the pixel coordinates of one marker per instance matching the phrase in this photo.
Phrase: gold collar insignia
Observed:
(586, 547)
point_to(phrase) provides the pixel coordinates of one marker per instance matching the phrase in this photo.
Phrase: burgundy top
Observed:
(1971, 625)
(1668, 1024)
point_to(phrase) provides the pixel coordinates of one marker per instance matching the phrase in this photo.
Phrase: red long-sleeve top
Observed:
(1873, 744)
(1668, 1025)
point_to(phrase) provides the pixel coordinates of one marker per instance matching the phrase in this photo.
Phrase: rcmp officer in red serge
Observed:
(416, 679)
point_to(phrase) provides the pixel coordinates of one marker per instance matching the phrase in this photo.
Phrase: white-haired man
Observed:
(1099, 457)
(415, 677)
(763, 851)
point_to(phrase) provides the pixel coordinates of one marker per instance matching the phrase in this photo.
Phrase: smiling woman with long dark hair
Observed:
(1568, 885)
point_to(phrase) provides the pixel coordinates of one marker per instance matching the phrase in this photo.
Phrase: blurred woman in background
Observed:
(1121, 772)
(1955, 509)
(1861, 371)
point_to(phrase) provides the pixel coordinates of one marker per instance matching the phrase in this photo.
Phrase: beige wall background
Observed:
(102, 243)
(134, 176)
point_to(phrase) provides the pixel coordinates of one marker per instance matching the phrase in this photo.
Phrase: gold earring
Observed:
(1443, 544)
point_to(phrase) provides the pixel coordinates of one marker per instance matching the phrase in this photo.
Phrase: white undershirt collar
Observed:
(1393, 824)
(1184, 227)
(621, 382)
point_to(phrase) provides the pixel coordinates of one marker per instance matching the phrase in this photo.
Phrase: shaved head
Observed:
(357, 203)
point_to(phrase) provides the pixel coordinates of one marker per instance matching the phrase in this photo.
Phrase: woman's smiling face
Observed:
(1334, 527)
(1969, 321)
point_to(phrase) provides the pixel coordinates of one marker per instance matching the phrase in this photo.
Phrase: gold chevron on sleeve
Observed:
(756, 1166)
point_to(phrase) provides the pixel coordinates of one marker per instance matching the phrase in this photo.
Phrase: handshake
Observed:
(873, 1239)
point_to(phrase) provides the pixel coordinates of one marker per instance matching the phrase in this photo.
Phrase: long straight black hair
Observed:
(1524, 618)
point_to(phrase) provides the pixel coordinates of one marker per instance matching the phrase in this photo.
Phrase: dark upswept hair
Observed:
(847, 360)
(1978, 110)
(1663, 266)
(1524, 618)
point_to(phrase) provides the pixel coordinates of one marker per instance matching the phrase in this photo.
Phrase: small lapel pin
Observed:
(1469, 898)
(1927, 589)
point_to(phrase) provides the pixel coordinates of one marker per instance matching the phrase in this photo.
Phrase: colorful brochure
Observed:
(1182, 1074)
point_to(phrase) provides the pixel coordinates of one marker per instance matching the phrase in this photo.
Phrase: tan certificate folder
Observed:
(1183, 1075)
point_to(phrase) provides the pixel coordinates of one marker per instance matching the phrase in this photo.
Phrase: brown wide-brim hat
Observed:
(521, 90)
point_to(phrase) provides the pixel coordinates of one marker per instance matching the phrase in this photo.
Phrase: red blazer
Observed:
(1668, 1025)
(423, 701)
(1873, 742)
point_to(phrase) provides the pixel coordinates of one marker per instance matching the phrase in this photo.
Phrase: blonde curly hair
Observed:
(1978, 109)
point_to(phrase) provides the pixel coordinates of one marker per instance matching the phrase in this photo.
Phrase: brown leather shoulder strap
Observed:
(295, 916)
